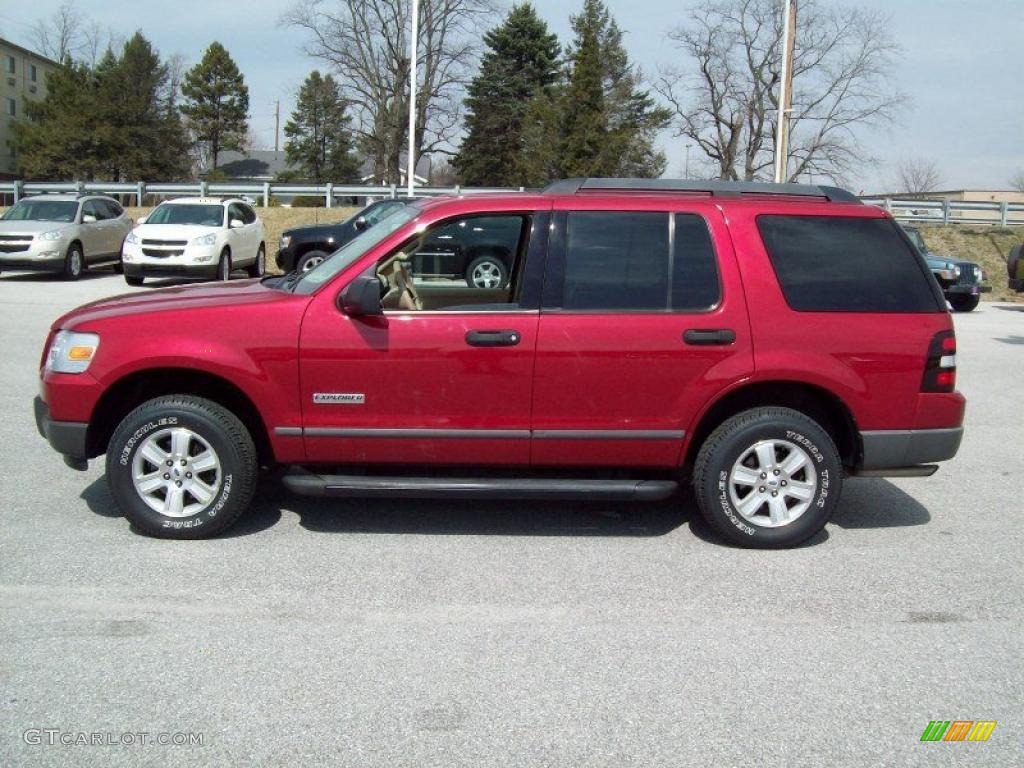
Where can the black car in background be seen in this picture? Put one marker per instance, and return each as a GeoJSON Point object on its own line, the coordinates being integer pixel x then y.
{"type": "Point", "coordinates": [302, 248]}
{"type": "Point", "coordinates": [960, 280]}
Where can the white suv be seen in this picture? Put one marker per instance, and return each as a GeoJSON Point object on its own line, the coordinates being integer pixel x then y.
{"type": "Point", "coordinates": [195, 237]}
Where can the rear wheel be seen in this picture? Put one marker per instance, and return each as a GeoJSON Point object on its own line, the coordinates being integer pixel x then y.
{"type": "Point", "coordinates": [224, 265]}
{"type": "Point", "coordinates": [962, 303]}
{"type": "Point", "coordinates": [260, 265]}
{"type": "Point", "coordinates": [181, 467]}
{"type": "Point", "coordinates": [768, 478]}
{"type": "Point", "coordinates": [309, 260]}
{"type": "Point", "coordinates": [74, 262]}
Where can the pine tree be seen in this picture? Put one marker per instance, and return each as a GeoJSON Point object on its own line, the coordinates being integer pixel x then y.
{"type": "Point", "coordinates": [216, 102]}
{"type": "Point", "coordinates": [319, 142]}
{"type": "Point", "coordinates": [609, 123]}
{"type": "Point", "coordinates": [521, 60]}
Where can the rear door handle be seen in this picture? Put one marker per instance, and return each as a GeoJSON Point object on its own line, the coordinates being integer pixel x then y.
{"type": "Point", "coordinates": [493, 338]}
{"type": "Point", "coordinates": [705, 337]}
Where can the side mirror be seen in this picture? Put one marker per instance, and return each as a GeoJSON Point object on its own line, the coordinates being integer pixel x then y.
{"type": "Point", "coordinates": [236, 223]}
{"type": "Point", "coordinates": [361, 224]}
{"type": "Point", "coordinates": [142, 220]}
{"type": "Point", "coordinates": [88, 218]}
{"type": "Point", "coordinates": [361, 297]}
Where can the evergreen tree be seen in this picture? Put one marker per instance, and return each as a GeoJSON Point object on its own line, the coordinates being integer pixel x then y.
{"type": "Point", "coordinates": [216, 102]}
{"type": "Point", "coordinates": [112, 123]}
{"type": "Point", "coordinates": [520, 63]}
{"type": "Point", "coordinates": [319, 142]}
{"type": "Point", "coordinates": [608, 122]}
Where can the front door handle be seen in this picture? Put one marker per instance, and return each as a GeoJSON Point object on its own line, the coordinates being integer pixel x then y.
{"type": "Point", "coordinates": [707, 336]}
{"type": "Point", "coordinates": [493, 338]}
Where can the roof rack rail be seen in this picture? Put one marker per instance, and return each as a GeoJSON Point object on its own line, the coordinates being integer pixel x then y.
{"type": "Point", "coordinates": [714, 188]}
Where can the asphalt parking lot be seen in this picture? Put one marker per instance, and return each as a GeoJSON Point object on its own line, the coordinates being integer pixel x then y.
{"type": "Point", "coordinates": [430, 633]}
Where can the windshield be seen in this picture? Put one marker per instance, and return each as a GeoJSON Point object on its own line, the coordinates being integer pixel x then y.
{"type": "Point", "coordinates": [43, 210]}
{"type": "Point", "coordinates": [353, 250]}
{"type": "Point", "coordinates": [195, 215]}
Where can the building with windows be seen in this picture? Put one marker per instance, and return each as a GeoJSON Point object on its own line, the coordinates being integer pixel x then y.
{"type": "Point", "coordinates": [22, 79]}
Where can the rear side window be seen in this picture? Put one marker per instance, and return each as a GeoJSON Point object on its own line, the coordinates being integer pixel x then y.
{"type": "Point", "coordinates": [637, 261]}
{"type": "Point", "coordinates": [840, 264]}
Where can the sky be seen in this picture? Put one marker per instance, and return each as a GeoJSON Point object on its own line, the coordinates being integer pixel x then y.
{"type": "Point", "coordinates": [961, 69]}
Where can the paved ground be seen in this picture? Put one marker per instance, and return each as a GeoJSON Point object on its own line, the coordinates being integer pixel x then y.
{"type": "Point", "coordinates": [422, 634]}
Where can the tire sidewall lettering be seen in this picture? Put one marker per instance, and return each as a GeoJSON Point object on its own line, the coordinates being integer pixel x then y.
{"type": "Point", "coordinates": [141, 432]}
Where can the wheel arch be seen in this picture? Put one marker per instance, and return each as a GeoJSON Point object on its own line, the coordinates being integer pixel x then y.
{"type": "Point", "coordinates": [816, 402]}
{"type": "Point", "coordinates": [137, 387]}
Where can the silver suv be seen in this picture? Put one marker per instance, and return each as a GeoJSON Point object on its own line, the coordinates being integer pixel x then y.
{"type": "Point", "coordinates": [62, 233]}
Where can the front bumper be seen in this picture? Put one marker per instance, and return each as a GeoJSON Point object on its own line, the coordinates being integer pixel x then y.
{"type": "Point", "coordinates": [66, 437]}
{"type": "Point", "coordinates": [40, 256]}
{"type": "Point", "coordinates": [901, 448]}
{"type": "Point", "coordinates": [194, 260]}
{"type": "Point", "coordinates": [967, 289]}
{"type": "Point", "coordinates": [285, 259]}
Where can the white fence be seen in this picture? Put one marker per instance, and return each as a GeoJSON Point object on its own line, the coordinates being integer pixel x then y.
{"type": "Point", "coordinates": [924, 211]}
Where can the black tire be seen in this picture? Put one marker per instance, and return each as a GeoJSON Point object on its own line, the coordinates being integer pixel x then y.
{"type": "Point", "coordinates": [224, 434]}
{"type": "Point", "coordinates": [224, 266]}
{"type": "Point", "coordinates": [74, 262]}
{"type": "Point", "coordinates": [309, 259]}
{"type": "Point", "coordinates": [119, 268]}
{"type": "Point", "coordinates": [736, 437]}
{"type": "Point", "coordinates": [963, 303]}
{"type": "Point", "coordinates": [260, 265]}
{"type": "Point", "coordinates": [495, 266]}
{"type": "Point", "coordinates": [1016, 255]}
{"type": "Point", "coordinates": [133, 280]}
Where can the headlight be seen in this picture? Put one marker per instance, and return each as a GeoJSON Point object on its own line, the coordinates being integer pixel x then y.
{"type": "Point", "coordinates": [132, 238]}
{"type": "Point", "coordinates": [209, 239]}
{"type": "Point", "coordinates": [286, 240]}
{"type": "Point", "coordinates": [72, 352]}
{"type": "Point", "coordinates": [956, 271]}
{"type": "Point", "coordinates": [54, 234]}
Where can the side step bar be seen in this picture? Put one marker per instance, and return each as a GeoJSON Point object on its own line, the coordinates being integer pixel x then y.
{"type": "Point", "coordinates": [918, 470]}
{"type": "Point", "coordinates": [353, 486]}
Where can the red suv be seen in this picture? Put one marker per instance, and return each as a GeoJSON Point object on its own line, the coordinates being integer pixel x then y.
{"type": "Point", "coordinates": [762, 342]}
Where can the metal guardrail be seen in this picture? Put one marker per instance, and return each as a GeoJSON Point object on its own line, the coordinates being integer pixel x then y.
{"type": "Point", "coordinates": [951, 211]}
{"type": "Point", "coordinates": [264, 192]}
{"type": "Point", "coordinates": [925, 211]}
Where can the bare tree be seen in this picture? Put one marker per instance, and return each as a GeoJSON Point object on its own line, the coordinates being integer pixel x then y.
{"type": "Point", "coordinates": [917, 175]}
{"type": "Point", "coordinates": [725, 99]}
{"type": "Point", "coordinates": [61, 35]}
{"type": "Point", "coordinates": [1017, 180]}
{"type": "Point", "coordinates": [366, 42]}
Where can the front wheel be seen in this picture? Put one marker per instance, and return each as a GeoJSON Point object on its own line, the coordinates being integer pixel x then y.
{"type": "Point", "coordinates": [74, 262]}
{"type": "Point", "coordinates": [260, 265]}
{"type": "Point", "coordinates": [768, 478]}
{"type": "Point", "coordinates": [133, 280]}
{"type": "Point", "coordinates": [310, 260]}
{"type": "Point", "coordinates": [963, 303]}
{"type": "Point", "coordinates": [224, 266]}
{"type": "Point", "coordinates": [181, 467]}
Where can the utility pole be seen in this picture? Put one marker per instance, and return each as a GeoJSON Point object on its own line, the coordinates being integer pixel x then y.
{"type": "Point", "coordinates": [412, 95]}
{"type": "Point", "coordinates": [785, 90]}
{"type": "Point", "coordinates": [277, 122]}
{"type": "Point", "coordinates": [686, 167]}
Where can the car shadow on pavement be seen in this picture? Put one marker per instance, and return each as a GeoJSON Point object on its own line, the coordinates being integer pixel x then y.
{"type": "Point", "coordinates": [53, 277]}
{"type": "Point", "coordinates": [877, 503]}
{"type": "Point", "coordinates": [1011, 307]}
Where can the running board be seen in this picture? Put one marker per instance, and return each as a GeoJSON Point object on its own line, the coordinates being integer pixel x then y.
{"type": "Point", "coordinates": [350, 486]}
{"type": "Point", "coordinates": [918, 470]}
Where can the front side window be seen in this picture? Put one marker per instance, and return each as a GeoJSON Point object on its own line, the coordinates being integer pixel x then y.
{"type": "Point", "coordinates": [248, 214]}
{"type": "Point", "coordinates": [112, 208]}
{"type": "Point", "coordinates": [92, 208]}
{"type": "Point", "coordinates": [638, 261]}
{"type": "Point", "coordinates": [470, 263]}
{"type": "Point", "coordinates": [189, 215]}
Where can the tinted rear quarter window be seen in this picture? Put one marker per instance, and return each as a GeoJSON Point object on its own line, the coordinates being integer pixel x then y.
{"type": "Point", "coordinates": [846, 264]}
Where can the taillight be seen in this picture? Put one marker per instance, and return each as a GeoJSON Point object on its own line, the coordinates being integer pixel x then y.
{"type": "Point", "coordinates": [940, 367]}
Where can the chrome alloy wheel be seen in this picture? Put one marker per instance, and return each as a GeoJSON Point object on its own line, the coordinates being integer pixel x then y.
{"type": "Point", "coordinates": [772, 483]}
{"type": "Point", "coordinates": [176, 472]}
{"type": "Point", "coordinates": [309, 264]}
{"type": "Point", "coordinates": [486, 274]}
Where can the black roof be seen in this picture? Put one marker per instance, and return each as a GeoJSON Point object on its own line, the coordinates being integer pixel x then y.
{"type": "Point", "coordinates": [716, 188]}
